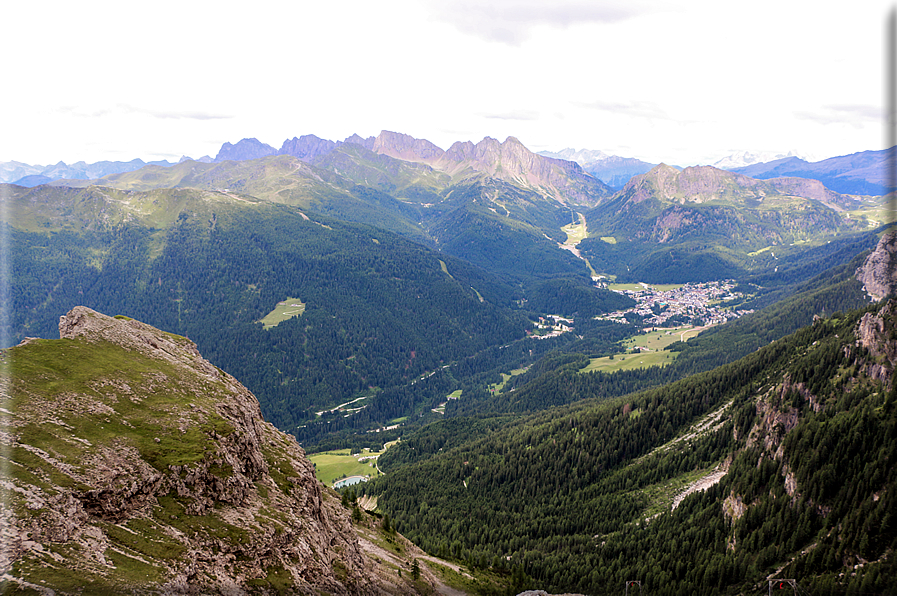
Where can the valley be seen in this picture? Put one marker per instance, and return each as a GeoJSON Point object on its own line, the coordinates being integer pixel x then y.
{"type": "Point", "coordinates": [547, 382]}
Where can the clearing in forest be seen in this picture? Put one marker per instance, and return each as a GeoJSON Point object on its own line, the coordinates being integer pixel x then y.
{"type": "Point", "coordinates": [331, 466]}
{"type": "Point", "coordinates": [651, 350]}
{"type": "Point", "coordinates": [286, 309]}
{"type": "Point", "coordinates": [576, 232]}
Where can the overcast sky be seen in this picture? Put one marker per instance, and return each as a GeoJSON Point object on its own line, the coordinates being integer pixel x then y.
{"type": "Point", "coordinates": [683, 81]}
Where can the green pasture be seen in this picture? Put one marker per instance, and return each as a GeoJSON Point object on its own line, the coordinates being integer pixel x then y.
{"type": "Point", "coordinates": [505, 377]}
{"type": "Point", "coordinates": [660, 339]}
{"type": "Point", "coordinates": [576, 232]}
{"type": "Point", "coordinates": [654, 343]}
{"type": "Point", "coordinates": [640, 288]}
{"type": "Point", "coordinates": [444, 268]}
{"type": "Point", "coordinates": [287, 309]}
{"type": "Point", "coordinates": [333, 465]}
{"type": "Point", "coordinates": [880, 213]}
{"type": "Point", "coordinates": [623, 287]}
{"type": "Point", "coordinates": [330, 466]}
{"type": "Point", "coordinates": [630, 361]}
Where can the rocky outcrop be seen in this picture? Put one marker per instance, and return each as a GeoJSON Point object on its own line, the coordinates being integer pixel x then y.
{"type": "Point", "coordinates": [243, 150]}
{"type": "Point", "coordinates": [875, 332]}
{"type": "Point", "coordinates": [307, 147]}
{"type": "Point", "coordinates": [406, 147]}
{"type": "Point", "coordinates": [878, 273]}
{"type": "Point", "coordinates": [560, 180]}
{"type": "Point", "coordinates": [130, 449]}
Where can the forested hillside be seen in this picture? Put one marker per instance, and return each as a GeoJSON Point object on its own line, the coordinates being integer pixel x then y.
{"type": "Point", "coordinates": [414, 274]}
{"type": "Point", "coordinates": [379, 311]}
{"type": "Point", "coordinates": [559, 381]}
{"type": "Point", "coordinates": [802, 435]}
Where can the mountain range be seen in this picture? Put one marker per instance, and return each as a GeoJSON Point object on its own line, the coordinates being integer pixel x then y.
{"type": "Point", "coordinates": [26, 175]}
{"type": "Point", "coordinates": [862, 173]}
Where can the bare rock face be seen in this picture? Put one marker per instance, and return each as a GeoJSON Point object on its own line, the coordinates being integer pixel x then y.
{"type": "Point", "coordinates": [876, 332]}
{"type": "Point", "coordinates": [406, 147]}
{"type": "Point", "coordinates": [243, 150]}
{"type": "Point", "coordinates": [306, 147]}
{"type": "Point", "coordinates": [138, 467]}
{"type": "Point", "coordinates": [878, 274]}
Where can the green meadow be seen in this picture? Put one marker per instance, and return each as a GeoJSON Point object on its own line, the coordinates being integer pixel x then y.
{"type": "Point", "coordinates": [505, 377]}
{"type": "Point", "coordinates": [287, 309]}
{"type": "Point", "coordinates": [331, 466]}
{"type": "Point", "coordinates": [576, 232]}
{"type": "Point", "coordinates": [652, 352]}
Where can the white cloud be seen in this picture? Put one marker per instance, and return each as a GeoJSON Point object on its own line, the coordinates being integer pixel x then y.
{"type": "Point", "coordinates": [676, 81]}
{"type": "Point", "coordinates": [512, 21]}
{"type": "Point", "coordinates": [855, 115]}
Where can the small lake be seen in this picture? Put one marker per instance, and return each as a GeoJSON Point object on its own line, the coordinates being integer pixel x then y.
{"type": "Point", "coordinates": [349, 481]}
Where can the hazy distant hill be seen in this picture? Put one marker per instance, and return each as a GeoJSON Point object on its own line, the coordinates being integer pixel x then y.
{"type": "Point", "coordinates": [25, 175]}
{"type": "Point", "coordinates": [741, 159]}
{"type": "Point", "coordinates": [243, 150]}
{"type": "Point", "coordinates": [613, 170]}
{"type": "Point", "coordinates": [863, 173]}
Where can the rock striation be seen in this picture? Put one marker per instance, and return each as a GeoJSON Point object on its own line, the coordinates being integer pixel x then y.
{"type": "Point", "coordinates": [132, 465]}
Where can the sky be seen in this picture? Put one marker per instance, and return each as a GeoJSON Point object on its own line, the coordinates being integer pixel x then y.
{"type": "Point", "coordinates": [683, 82]}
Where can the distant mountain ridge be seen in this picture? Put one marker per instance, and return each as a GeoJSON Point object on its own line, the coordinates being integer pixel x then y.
{"type": "Point", "coordinates": [741, 159]}
{"type": "Point", "coordinates": [698, 184]}
{"type": "Point", "coordinates": [27, 175]}
{"type": "Point", "coordinates": [863, 173]}
{"type": "Point", "coordinates": [613, 170]}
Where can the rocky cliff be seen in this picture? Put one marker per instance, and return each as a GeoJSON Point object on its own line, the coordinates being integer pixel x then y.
{"type": "Point", "coordinates": [307, 147]}
{"type": "Point", "coordinates": [878, 273]}
{"type": "Point", "coordinates": [131, 465]}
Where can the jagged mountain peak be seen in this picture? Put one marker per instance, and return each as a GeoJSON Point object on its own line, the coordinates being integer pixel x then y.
{"type": "Point", "coordinates": [367, 143]}
{"type": "Point", "coordinates": [306, 147]}
{"type": "Point", "coordinates": [244, 149]}
{"type": "Point", "coordinates": [406, 147]}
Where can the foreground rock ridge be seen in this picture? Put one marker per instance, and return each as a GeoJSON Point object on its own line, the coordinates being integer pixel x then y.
{"type": "Point", "coordinates": [131, 465]}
